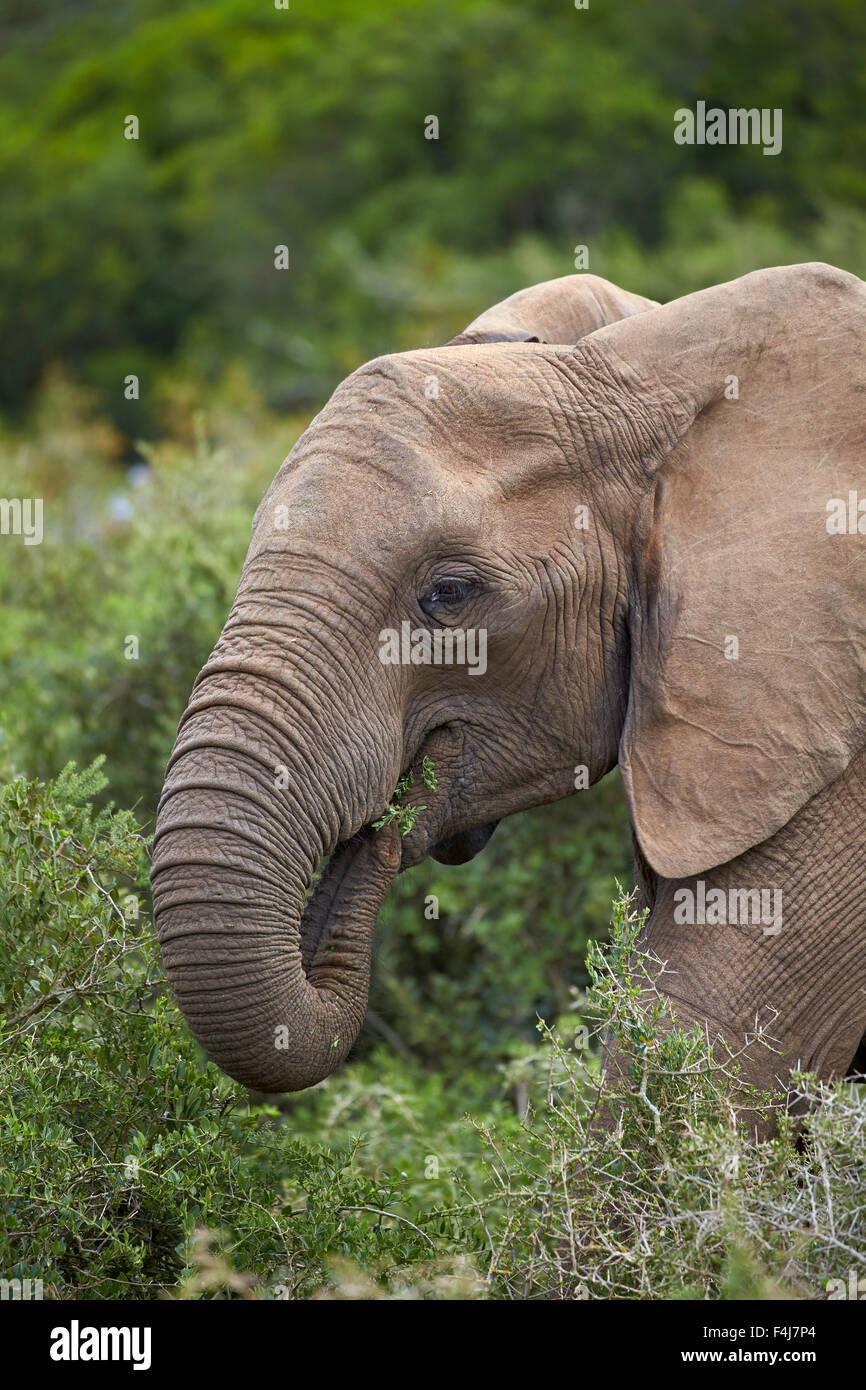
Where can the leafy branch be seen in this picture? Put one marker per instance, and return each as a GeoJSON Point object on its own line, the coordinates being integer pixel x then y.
{"type": "Point", "coordinates": [405, 815]}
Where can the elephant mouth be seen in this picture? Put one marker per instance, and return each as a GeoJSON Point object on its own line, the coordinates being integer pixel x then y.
{"type": "Point", "coordinates": [355, 870]}
{"type": "Point", "coordinates": [460, 848]}
{"type": "Point", "coordinates": [440, 830]}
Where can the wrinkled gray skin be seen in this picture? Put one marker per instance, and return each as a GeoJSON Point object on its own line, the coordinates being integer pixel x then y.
{"type": "Point", "coordinates": [706, 519]}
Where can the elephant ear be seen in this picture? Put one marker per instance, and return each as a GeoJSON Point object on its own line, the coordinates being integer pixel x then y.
{"type": "Point", "coordinates": [748, 621]}
{"type": "Point", "coordinates": [557, 311]}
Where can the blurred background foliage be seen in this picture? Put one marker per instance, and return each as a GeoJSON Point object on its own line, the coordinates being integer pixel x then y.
{"type": "Point", "coordinates": [305, 127]}
{"type": "Point", "coordinates": [155, 257]}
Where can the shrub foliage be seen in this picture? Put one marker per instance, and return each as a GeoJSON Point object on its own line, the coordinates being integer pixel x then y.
{"type": "Point", "coordinates": [131, 1167]}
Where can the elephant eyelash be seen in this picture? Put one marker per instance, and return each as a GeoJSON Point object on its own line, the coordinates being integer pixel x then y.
{"type": "Point", "coordinates": [450, 592]}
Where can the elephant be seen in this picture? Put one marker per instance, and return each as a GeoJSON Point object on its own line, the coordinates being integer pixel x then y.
{"type": "Point", "coordinates": [651, 514]}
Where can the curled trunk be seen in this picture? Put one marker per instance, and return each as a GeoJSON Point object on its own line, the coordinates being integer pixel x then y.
{"type": "Point", "coordinates": [273, 987]}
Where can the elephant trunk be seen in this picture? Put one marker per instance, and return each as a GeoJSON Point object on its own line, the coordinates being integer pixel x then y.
{"type": "Point", "coordinates": [273, 986]}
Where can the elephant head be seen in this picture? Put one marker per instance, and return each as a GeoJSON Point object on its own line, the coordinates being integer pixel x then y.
{"type": "Point", "coordinates": [516, 556]}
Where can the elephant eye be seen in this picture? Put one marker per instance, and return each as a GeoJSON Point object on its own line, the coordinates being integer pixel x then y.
{"type": "Point", "coordinates": [446, 595]}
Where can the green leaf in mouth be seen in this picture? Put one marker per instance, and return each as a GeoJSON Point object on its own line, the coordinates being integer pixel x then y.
{"type": "Point", "coordinates": [405, 815]}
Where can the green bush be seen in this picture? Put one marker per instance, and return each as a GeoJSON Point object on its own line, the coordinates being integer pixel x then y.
{"type": "Point", "coordinates": [109, 620]}
{"type": "Point", "coordinates": [130, 1167]}
{"type": "Point", "coordinates": [672, 1197]}
{"type": "Point", "coordinates": [120, 1147]}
